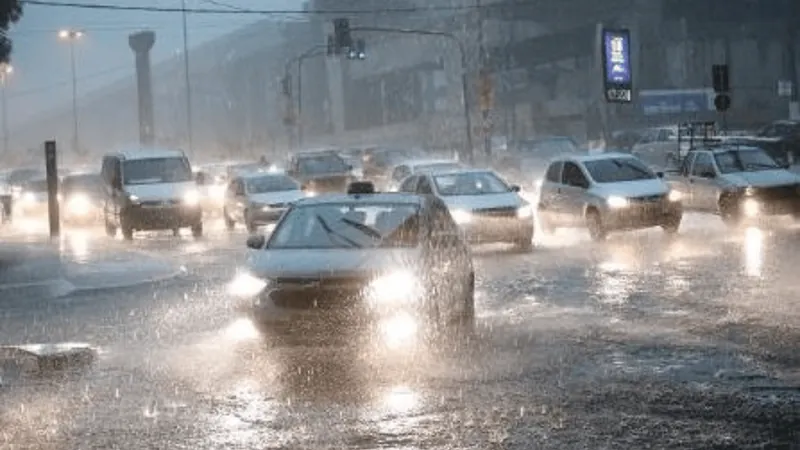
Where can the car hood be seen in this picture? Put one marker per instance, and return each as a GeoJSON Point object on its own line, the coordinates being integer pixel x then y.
{"type": "Point", "coordinates": [762, 178]}
{"type": "Point", "coordinates": [473, 202]}
{"type": "Point", "coordinates": [639, 188]}
{"type": "Point", "coordinates": [277, 197]}
{"type": "Point", "coordinates": [269, 264]}
{"type": "Point", "coordinates": [160, 191]}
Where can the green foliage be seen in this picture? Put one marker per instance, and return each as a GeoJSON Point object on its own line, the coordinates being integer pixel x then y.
{"type": "Point", "coordinates": [10, 13]}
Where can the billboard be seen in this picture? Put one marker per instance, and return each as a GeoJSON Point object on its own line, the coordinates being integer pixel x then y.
{"type": "Point", "coordinates": [617, 74]}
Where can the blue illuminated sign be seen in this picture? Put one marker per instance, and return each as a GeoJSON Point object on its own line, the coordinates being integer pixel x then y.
{"type": "Point", "coordinates": [617, 76]}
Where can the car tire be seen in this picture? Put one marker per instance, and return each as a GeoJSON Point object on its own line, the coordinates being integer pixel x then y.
{"type": "Point", "coordinates": [176, 232]}
{"type": "Point", "coordinates": [197, 230]}
{"type": "Point", "coordinates": [111, 230]}
{"type": "Point", "coordinates": [594, 223]}
{"type": "Point", "coordinates": [730, 212]}
{"type": "Point", "coordinates": [127, 232]}
{"type": "Point", "coordinates": [251, 227]}
{"type": "Point", "coordinates": [524, 243]}
{"type": "Point", "coordinates": [230, 224]}
{"type": "Point", "coordinates": [466, 318]}
{"type": "Point", "coordinates": [672, 225]}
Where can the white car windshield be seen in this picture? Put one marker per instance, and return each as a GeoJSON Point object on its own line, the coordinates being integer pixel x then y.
{"type": "Point", "coordinates": [156, 170]}
{"type": "Point", "coordinates": [271, 183]}
{"type": "Point", "coordinates": [354, 226]}
{"type": "Point", "coordinates": [617, 170]}
{"type": "Point", "coordinates": [437, 167]}
{"type": "Point", "coordinates": [470, 183]}
{"type": "Point", "coordinates": [744, 160]}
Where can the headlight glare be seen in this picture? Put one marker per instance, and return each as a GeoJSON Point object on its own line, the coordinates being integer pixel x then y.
{"type": "Point", "coordinates": [461, 216]}
{"type": "Point", "coordinates": [675, 196]}
{"type": "Point", "coordinates": [394, 287]}
{"type": "Point", "coordinates": [246, 285]}
{"type": "Point", "coordinates": [617, 202]}
{"type": "Point", "coordinates": [525, 212]}
{"type": "Point", "coordinates": [78, 204]}
{"type": "Point", "coordinates": [191, 198]}
{"type": "Point", "coordinates": [750, 207]}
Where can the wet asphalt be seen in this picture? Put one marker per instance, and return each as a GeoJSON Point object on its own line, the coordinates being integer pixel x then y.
{"type": "Point", "coordinates": [639, 342]}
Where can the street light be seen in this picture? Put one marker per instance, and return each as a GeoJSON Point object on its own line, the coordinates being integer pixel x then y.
{"type": "Point", "coordinates": [5, 70]}
{"type": "Point", "coordinates": [72, 36]}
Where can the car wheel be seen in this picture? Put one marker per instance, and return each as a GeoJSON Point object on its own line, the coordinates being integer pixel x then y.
{"type": "Point", "coordinates": [176, 232]}
{"type": "Point", "coordinates": [594, 223]}
{"type": "Point", "coordinates": [672, 225]}
{"type": "Point", "coordinates": [230, 224]}
{"type": "Point", "coordinates": [127, 233]}
{"type": "Point", "coordinates": [524, 243]}
{"type": "Point", "coordinates": [111, 230]}
{"type": "Point", "coordinates": [251, 227]}
{"type": "Point", "coordinates": [197, 230]}
{"type": "Point", "coordinates": [466, 318]}
{"type": "Point", "coordinates": [730, 213]}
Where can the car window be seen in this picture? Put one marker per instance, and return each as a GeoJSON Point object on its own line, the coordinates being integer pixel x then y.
{"type": "Point", "coordinates": [553, 173]}
{"type": "Point", "coordinates": [572, 175]}
{"type": "Point", "coordinates": [470, 183]}
{"type": "Point", "coordinates": [361, 225]}
{"type": "Point", "coordinates": [744, 160]}
{"type": "Point", "coordinates": [424, 187]}
{"type": "Point", "coordinates": [702, 164]}
{"type": "Point", "coordinates": [86, 183]}
{"type": "Point", "coordinates": [409, 184]}
{"type": "Point", "coordinates": [322, 163]}
{"type": "Point", "coordinates": [400, 172]}
{"type": "Point", "coordinates": [271, 183]}
{"type": "Point", "coordinates": [615, 170]}
{"type": "Point", "coordinates": [156, 170]}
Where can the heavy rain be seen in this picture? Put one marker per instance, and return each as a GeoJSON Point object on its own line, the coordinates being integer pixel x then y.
{"type": "Point", "coordinates": [399, 224]}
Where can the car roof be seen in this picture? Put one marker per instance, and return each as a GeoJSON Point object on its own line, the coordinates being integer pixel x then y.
{"type": "Point", "coordinates": [461, 170]}
{"type": "Point", "coordinates": [426, 162]}
{"type": "Point", "coordinates": [261, 173]}
{"type": "Point", "coordinates": [317, 151]}
{"type": "Point", "coordinates": [728, 147]}
{"type": "Point", "coordinates": [131, 154]}
{"type": "Point", "coordinates": [381, 197]}
{"type": "Point", "coordinates": [585, 157]}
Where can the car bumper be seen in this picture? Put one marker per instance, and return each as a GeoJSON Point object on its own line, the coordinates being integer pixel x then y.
{"type": "Point", "coordinates": [162, 218]}
{"type": "Point", "coordinates": [489, 230]}
{"type": "Point", "coordinates": [754, 208]}
{"type": "Point", "coordinates": [635, 217]}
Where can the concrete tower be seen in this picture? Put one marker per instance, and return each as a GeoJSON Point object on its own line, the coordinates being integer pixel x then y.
{"type": "Point", "coordinates": [141, 43]}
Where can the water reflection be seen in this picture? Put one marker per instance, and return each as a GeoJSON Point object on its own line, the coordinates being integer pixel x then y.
{"type": "Point", "coordinates": [400, 400]}
{"type": "Point", "coordinates": [753, 251]}
{"type": "Point", "coordinates": [76, 243]}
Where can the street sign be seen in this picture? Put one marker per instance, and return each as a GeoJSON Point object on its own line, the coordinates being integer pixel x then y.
{"type": "Point", "coordinates": [722, 102]}
{"type": "Point", "coordinates": [784, 88]}
{"type": "Point", "coordinates": [617, 76]}
{"type": "Point", "coordinates": [720, 78]}
{"type": "Point", "coordinates": [675, 101]}
{"type": "Point", "coordinates": [51, 170]}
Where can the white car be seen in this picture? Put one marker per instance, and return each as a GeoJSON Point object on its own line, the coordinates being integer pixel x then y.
{"type": "Point", "coordinates": [485, 207]}
{"type": "Point", "coordinates": [391, 258]}
{"type": "Point", "coordinates": [415, 166]}
{"type": "Point", "coordinates": [606, 192]}
{"type": "Point", "coordinates": [259, 198]}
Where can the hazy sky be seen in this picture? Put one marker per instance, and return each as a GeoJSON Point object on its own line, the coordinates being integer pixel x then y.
{"type": "Point", "coordinates": [41, 62]}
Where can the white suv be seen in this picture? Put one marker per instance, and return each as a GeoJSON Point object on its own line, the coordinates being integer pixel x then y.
{"type": "Point", "coordinates": [606, 192]}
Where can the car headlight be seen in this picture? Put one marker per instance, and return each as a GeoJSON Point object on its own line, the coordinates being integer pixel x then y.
{"type": "Point", "coordinates": [617, 202]}
{"type": "Point", "coordinates": [750, 207]}
{"type": "Point", "coordinates": [217, 192]}
{"type": "Point", "coordinates": [675, 196]}
{"type": "Point", "coordinates": [28, 197]}
{"type": "Point", "coordinates": [133, 199]}
{"type": "Point", "coordinates": [246, 285]}
{"type": "Point", "coordinates": [191, 198]}
{"type": "Point", "coordinates": [311, 194]}
{"type": "Point", "coordinates": [394, 287]}
{"type": "Point", "coordinates": [264, 208]}
{"type": "Point", "coordinates": [79, 204]}
{"type": "Point", "coordinates": [461, 216]}
{"type": "Point", "coordinates": [525, 212]}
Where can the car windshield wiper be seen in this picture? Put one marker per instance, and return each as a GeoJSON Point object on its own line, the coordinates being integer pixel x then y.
{"type": "Point", "coordinates": [369, 231]}
{"type": "Point", "coordinates": [329, 231]}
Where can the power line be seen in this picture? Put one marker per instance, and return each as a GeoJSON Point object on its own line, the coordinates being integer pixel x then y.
{"type": "Point", "coordinates": [227, 10]}
{"type": "Point", "coordinates": [224, 5]}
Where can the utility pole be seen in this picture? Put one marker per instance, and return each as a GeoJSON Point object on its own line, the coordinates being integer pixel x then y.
{"type": "Point", "coordinates": [5, 71]}
{"type": "Point", "coordinates": [72, 36]}
{"type": "Point", "coordinates": [485, 81]}
{"type": "Point", "coordinates": [188, 86]}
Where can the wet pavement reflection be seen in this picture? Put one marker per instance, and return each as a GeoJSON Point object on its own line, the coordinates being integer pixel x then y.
{"type": "Point", "coordinates": [640, 341]}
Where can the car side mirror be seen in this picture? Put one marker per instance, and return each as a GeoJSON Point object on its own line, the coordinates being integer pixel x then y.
{"type": "Point", "coordinates": [708, 174]}
{"type": "Point", "coordinates": [256, 242]}
{"type": "Point", "coordinates": [515, 188]}
{"type": "Point", "coordinates": [660, 174]}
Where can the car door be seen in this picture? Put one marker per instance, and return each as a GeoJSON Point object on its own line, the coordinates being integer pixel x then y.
{"type": "Point", "coordinates": [574, 185]}
{"type": "Point", "coordinates": [550, 192]}
{"type": "Point", "coordinates": [703, 182]}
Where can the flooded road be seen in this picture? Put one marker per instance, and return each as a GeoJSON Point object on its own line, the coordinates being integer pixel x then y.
{"type": "Point", "coordinates": [640, 342]}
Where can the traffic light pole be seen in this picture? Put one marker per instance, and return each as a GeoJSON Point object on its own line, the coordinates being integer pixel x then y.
{"type": "Point", "coordinates": [313, 51]}
{"type": "Point", "coordinates": [464, 74]}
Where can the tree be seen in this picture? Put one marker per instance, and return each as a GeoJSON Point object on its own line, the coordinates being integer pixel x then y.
{"type": "Point", "coordinates": [10, 13]}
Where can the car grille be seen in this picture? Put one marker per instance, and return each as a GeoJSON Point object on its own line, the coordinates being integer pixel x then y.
{"type": "Point", "coordinates": [159, 203]}
{"type": "Point", "coordinates": [321, 293]}
{"type": "Point", "coordinates": [506, 211]}
{"type": "Point", "coordinates": [777, 193]}
{"type": "Point", "coordinates": [648, 200]}
{"type": "Point", "coordinates": [278, 205]}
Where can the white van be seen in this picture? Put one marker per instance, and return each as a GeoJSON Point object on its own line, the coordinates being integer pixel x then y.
{"type": "Point", "coordinates": [150, 189]}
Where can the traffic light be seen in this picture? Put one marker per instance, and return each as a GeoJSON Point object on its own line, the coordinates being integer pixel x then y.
{"type": "Point", "coordinates": [359, 51]}
{"type": "Point", "coordinates": [342, 40]}
{"type": "Point", "coordinates": [720, 78]}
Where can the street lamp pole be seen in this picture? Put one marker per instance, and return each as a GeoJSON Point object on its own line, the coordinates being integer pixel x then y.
{"type": "Point", "coordinates": [71, 36]}
{"type": "Point", "coordinates": [298, 100]}
{"type": "Point", "coordinates": [5, 71]}
{"type": "Point", "coordinates": [187, 82]}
